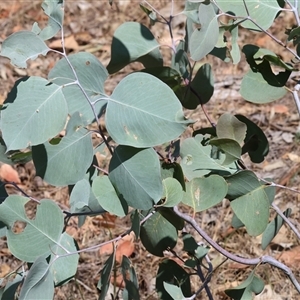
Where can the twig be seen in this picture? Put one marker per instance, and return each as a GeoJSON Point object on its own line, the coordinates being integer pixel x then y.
{"type": "Point", "coordinates": [24, 193]}
{"type": "Point", "coordinates": [294, 9]}
{"type": "Point", "coordinates": [286, 220]}
{"type": "Point", "coordinates": [246, 261]}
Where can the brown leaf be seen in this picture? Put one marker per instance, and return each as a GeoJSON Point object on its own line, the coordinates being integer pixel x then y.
{"type": "Point", "coordinates": [280, 109]}
{"type": "Point", "coordinates": [8, 173]}
{"type": "Point", "coordinates": [124, 246]}
{"type": "Point", "coordinates": [70, 43]}
{"type": "Point", "coordinates": [4, 269]}
{"type": "Point", "coordinates": [291, 257]}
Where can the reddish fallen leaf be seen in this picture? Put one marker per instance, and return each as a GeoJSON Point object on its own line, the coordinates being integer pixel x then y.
{"type": "Point", "coordinates": [106, 249]}
{"type": "Point", "coordinates": [4, 269]}
{"type": "Point", "coordinates": [125, 246]}
{"type": "Point", "coordinates": [70, 43]}
{"type": "Point", "coordinates": [280, 109]}
{"type": "Point", "coordinates": [291, 257]}
{"type": "Point", "coordinates": [237, 266]}
{"type": "Point", "coordinates": [8, 173]}
{"type": "Point", "coordinates": [117, 280]}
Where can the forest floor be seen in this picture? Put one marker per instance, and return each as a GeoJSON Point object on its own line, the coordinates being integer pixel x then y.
{"type": "Point", "coordinates": [89, 26]}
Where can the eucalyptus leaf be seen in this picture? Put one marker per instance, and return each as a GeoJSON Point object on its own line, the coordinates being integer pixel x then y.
{"type": "Point", "coordinates": [200, 89]}
{"type": "Point", "coordinates": [273, 228]}
{"type": "Point", "coordinates": [203, 193]}
{"type": "Point", "coordinates": [133, 41]}
{"type": "Point", "coordinates": [263, 12]}
{"type": "Point", "coordinates": [79, 198]}
{"type": "Point", "coordinates": [107, 196]}
{"type": "Point", "coordinates": [244, 291]}
{"type": "Point", "coordinates": [231, 149]}
{"type": "Point", "coordinates": [43, 231]}
{"type": "Point", "coordinates": [158, 234]}
{"type": "Point", "coordinates": [54, 10]}
{"type": "Point", "coordinates": [174, 291]}
{"type": "Point", "coordinates": [104, 281]}
{"type": "Point", "coordinates": [197, 159]}
{"type": "Point", "coordinates": [11, 287]}
{"type": "Point", "coordinates": [23, 45]}
{"type": "Point", "coordinates": [138, 183]}
{"type": "Point", "coordinates": [91, 75]}
{"type": "Point", "coordinates": [67, 162]}
{"type": "Point", "coordinates": [230, 127]}
{"type": "Point", "coordinates": [42, 113]}
{"type": "Point", "coordinates": [204, 40]}
{"type": "Point", "coordinates": [170, 272]}
{"type": "Point", "coordinates": [172, 192]}
{"type": "Point", "coordinates": [253, 210]}
{"type": "Point", "coordinates": [38, 283]}
{"type": "Point", "coordinates": [143, 112]}
{"type": "Point", "coordinates": [255, 143]}
{"type": "Point", "coordinates": [65, 267]}
{"type": "Point", "coordinates": [130, 278]}
{"type": "Point", "coordinates": [256, 89]}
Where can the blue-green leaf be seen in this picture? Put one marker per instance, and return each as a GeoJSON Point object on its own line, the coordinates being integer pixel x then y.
{"type": "Point", "coordinates": [253, 210]}
{"type": "Point", "coordinates": [67, 162]}
{"type": "Point", "coordinates": [107, 196]}
{"type": "Point", "coordinates": [133, 41]}
{"type": "Point", "coordinates": [255, 89]}
{"type": "Point", "coordinates": [41, 113]}
{"type": "Point", "coordinates": [64, 268]}
{"type": "Point", "coordinates": [263, 12]}
{"type": "Point", "coordinates": [40, 233]}
{"type": "Point", "coordinates": [38, 283]}
{"type": "Point", "coordinates": [138, 182]}
{"type": "Point", "coordinates": [23, 45]}
{"type": "Point", "coordinates": [244, 291]}
{"type": "Point", "coordinates": [143, 112]}
{"type": "Point", "coordinates": [204, 40]}
{"type": "Point", "coordinates": [157, 234]}
{"type": "Point", "coordinates": [203, 193]}
{"type": "Point", "coordinates": [197, 159]}
{"type": "Point", "coordinates": [55, 11]}
{"type": "Point", "coordinates": [91, 75]}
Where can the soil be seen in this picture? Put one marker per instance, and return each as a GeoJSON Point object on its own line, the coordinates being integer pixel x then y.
{"type": "Point", "coordinates": [89, 26]}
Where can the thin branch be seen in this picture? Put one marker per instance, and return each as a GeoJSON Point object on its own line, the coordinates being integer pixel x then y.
{"type": "Point", "coordinates": [294, 9]}
{"type": "Point", "coordinates": [213, 124]}
{"type": "Point", "coordinates": [246, 261]}
{"type": "Point", "coordinates": [296, 98]}
{"type": "Point", "coordinates": [24, 193]}
{"type": "Point", "coordinates": [286, 220]}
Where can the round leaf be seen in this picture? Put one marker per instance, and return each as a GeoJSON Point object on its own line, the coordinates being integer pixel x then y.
{"type": "Point", "coordinates": [263, 12]}
{"type": "Point", "coordinates": [67, 162]}
{"type": "Point", "coordinates": [135, 173]}
{"type": "Point", "coordinates": [231, 128]}
{"type": "Point", "coordinates": [91, 76]}
{"type": "Point", "coordinates": [144, 112]}
{"type": "Point", "coordinates": [41, 111]}
{"type": "Point", "coordinates": [172, 192]}
{"type": "Point", "coordinates": [133, 41]}
{"type": "Point", "coordinates": [253, 210]}
{"type": "Point", "coordinates": [255, 89]}
{"type": "Point", "coordinates": [40, 233]}
{"type": "Point", "coordinates": [157, 234]}
{"type": "Point", "coordinates": [204, 40]}
{"type": "Point", "coordinates": [64, 268]}
{"type": "Point", "coordinates": [203, 193]}
{"type": "Point", "coordinates": [21, 46]}
{"type": "Point", "coordinates": [107, 196]}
